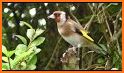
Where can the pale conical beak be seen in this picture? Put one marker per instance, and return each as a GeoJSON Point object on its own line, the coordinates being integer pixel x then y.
{"type": "Point", "coordinates": [51, 16]}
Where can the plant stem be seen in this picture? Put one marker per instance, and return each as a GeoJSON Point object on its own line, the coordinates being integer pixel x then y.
{"type": "Point", "coordinates": [80, 56]}
{"type": "Point", "coordinates": [9, 63]}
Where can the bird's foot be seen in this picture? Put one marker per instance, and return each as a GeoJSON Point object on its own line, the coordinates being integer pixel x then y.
{"type": "Point", "coordinates": [68, 55]}
{"type": "Point", "coordinates": [74, 49]}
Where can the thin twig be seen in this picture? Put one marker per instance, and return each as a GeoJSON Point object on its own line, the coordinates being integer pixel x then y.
{"type": "Point", "coordinates": [91, 8]}
{"type": "Point", "coordinates": [53, 53]}
{"type": "Point", "coordinates": [107, 24]}
{"type": "Point", "coordinates": [87, 26]}
{"type": "Point", "coordinates": [102, 67]}
{"type": "Point", "coordinates": [90, 60]}
{"type": "Point", "coordinates": [108, 64]}
{"type": "Point", "coordinates": [104, 9]}
{"type": "Point", "coordinates": [74, 17]}
{"type": "Point", "coordinates": [116, 21]}
{"type": "Point", "coordinates": [100, 39]}
{"type": "Point", "coordinates": [93, 66]}
{"type": "Point", "coordinates": [118, 46]}
{"type": "Point", "coordinates": [119, 33]}
{"type": "Point", "coordinates": [100, 5]}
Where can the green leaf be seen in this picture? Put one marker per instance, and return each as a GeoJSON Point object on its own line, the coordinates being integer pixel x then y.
{"type": "Point", "coordinates": [5, 66]}
{"type": "Point", "coordinates": [21, 48]}
{"type": "Point", "coordinates": [37, 50]}
{"type": "Point", "coordinates": [4, 50]}
{"type": "Point", "coordinates": [23, 65]}
{"type": "Point", "coordinates": [33, 60]}
{"type": "Point", "coordinates": [22, 57]}
{"type": "Point", "coordinates": [38, 32]}
{"type": "Point", "coordinates": [31, 67]}
{"type": "Point", "coordinates": [7, 53]}
{"type": "Point", "coordinates": [10, 53]}
{"type": "Point", "coordinates": [5, 59]}
{"type": "Point", "coordinates": [37, 42]}
{"type": "Point", "coordinates": [30, 34]}
{"type": "Point", "coordinates": [22, 39]}
{"type": "Point", "coordinates": [22, 22]}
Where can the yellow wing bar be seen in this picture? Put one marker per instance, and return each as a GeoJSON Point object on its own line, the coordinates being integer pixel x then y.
{"type": "Point", "coordinates": [86, 36]}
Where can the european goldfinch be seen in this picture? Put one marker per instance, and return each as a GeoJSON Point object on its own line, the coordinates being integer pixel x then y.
{"type": "Point", "coordinates": [69, 30]}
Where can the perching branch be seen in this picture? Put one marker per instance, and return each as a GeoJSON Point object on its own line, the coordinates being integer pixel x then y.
{"type": "Point", "coordinates": [69, 60]}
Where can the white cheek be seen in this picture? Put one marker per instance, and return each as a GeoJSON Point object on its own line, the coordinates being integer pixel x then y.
{"type": "Point", "coordinates": [62, 18]}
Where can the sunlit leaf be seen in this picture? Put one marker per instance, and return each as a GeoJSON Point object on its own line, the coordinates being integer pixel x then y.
{"type": "Point", "coordinates": [21, 57]}
{"type": "Point", "coordinates": [37, 50]}
{"type": "Point", "coordinates": [38, 32]}
{"type": "Point", "coordinates": [30, 34]}
{"type": "Point", "coordinates": [10, 53]}
{"type": "Point", "coordinates": [21, 48]}
{"type": "Point", "coordinates": [22, 39]}
{"type": "Point", "coordinates": [37, 42]}
{"type": "Point", "coordinates": [23, 65]}
{"type": "Point", "coordinates": [5, 59]}
{"type": "Point", "coordinates": [5, 66]}
{"type": "Point", "coordinates": [4, 50]}
{"type": "Point", "coordinates": [22, 22]}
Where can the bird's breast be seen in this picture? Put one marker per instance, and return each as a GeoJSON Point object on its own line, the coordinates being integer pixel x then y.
{"type": "Point", "coordinates": [75, 39]}
{"type": "Point", "coordinates": [66, 30]}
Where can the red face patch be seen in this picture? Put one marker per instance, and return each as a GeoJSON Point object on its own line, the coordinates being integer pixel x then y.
{"type": "Point", "coordinates": [57, 17]}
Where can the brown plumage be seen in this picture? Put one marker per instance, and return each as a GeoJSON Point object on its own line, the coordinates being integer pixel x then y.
{"type": "Point", "coordinates": [68, 30]}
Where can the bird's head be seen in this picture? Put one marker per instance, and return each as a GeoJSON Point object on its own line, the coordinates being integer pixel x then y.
{"type": "Point", "coordinates": [59, 16]}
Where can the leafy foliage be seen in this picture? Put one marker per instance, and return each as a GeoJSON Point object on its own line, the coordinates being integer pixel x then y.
{"type": "Point", "coordinates": [24, 55]}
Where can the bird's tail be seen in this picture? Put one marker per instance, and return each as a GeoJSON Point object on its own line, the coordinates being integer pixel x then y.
{"type": "Point", "coordinates": [98, 49]}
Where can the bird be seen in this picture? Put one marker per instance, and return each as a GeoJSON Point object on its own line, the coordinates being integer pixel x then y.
{"type": "Point", "coordinates": [73, 32]}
